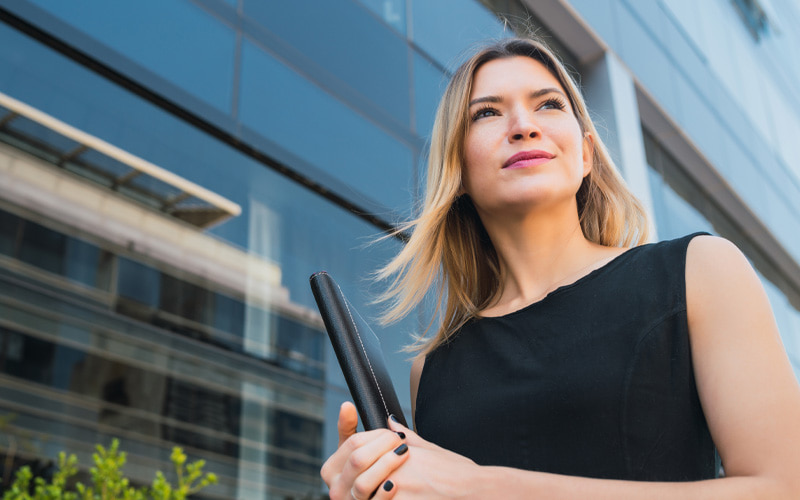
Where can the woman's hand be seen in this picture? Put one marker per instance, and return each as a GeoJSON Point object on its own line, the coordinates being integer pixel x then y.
{"type": "Point", "coordinates": [364, 460]}
{"type": "Point", "coordinates": [433, 472]}
{"type": "Point", "coordinates": [395, 463]}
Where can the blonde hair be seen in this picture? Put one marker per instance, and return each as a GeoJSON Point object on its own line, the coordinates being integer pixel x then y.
{"type": "Point", "coordinates": [449, 246]}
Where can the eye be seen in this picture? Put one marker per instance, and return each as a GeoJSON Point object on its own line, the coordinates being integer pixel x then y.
{"type": "Point", "coordinates": [553, 103]}
{"type": "Point", "coordinates": [484, 112]}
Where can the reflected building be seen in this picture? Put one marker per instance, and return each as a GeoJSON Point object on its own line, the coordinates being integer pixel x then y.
{"type": "Point", "coordinates": [171, 173]}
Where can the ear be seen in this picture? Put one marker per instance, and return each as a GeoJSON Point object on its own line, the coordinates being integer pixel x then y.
{"type": "Point", "coordinates": [588, 153]}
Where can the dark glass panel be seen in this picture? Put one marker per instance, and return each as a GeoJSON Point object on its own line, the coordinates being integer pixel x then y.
{"type": "Point", "coordinates": [177, 40]}
{"type": "Point", "coordinates": [87, 264]}
{"type": "Point", "coordinates": [185, 299]}
{"type": "Point", "coordinates": [42, 247]}
{"type": "Point", "coordinates": [26, 357]}
{"type": "Point", "coordinates": [205, 408]}
{"type": "Point", "coordinates": [294, 432]}
{"type": "Point", "coordinates": [228, 314]}
{"type": "Point", "coordinates": [139, 282]}
{"type": "Point", "coordinates": [9, 232]}
{"type": "Point", "coordinates": [303, 118]}
{"type": "Point", "coordinates": [366, 55]}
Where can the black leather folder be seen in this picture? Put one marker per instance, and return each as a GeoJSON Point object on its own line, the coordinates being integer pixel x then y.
{"type": "Point", "coordinates": [359, 353]}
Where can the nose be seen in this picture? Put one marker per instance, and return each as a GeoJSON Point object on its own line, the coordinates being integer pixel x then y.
{"type": "Point", "coordinates": [523, 126]}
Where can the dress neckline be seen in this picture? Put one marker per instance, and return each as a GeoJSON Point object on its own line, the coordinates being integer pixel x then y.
{"type": "Point", "coordinates": [583, 279]}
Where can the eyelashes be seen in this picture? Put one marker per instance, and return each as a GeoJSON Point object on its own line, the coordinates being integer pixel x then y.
{"type": "Point", "coordinates": [487, 110]}
{"type": "Point", "coordinates": [483, 112]}
{"type": "Point", "coordinates": [555, 102]}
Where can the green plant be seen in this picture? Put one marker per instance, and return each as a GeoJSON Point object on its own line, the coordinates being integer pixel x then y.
{"type": "Point", "coordinates": [108, 481]}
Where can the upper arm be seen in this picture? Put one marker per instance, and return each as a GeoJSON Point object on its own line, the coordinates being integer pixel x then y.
{"type": "Point", "coordinates": [416, 372]}
{"type": "Point", "coordinates": [748, 390]}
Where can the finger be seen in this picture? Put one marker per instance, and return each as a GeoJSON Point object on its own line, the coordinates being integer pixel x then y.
{"type": "Point", "coordinates": [386, 490]}
{"type": "Point", "coordinates": [348, 421]}
{"type": "Point", "coordinates": [336, 462]}
{"type": "Point", "coordinates": [374, 479]}
{"type": "Point", "coordinates": [411, 437]}
{"type": "Point", "coordinates": [367, 455]}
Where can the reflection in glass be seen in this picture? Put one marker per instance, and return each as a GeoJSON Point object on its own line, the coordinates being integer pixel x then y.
{"type": "Point", "coordinates": [445, 28]}
{"type": "Point", "coordinates": [154, 346]}
{"type": "Point", "coordinates": [192, 50]}
{"type": "Point", "coordinates": [291, 111]}
{"type": "Point", "coordinates": [365, 56]}
{"type": "Point", "coordinates": [393, 12]}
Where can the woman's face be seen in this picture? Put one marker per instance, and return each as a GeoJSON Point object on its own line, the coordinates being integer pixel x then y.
{"type": "Point", "coordinates": [524, 148]}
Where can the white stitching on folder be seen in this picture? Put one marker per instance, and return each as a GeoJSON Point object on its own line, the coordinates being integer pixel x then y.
{"type": "Point", "coordinates": [346, 304]}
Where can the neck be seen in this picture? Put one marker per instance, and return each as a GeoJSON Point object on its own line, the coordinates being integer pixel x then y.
{"type": "Point", "coordinates": [538, 252]}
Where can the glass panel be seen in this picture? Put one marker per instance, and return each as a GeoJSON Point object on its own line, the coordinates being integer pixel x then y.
{"type": "Point", "coordinates": [347, 42]}
{"type": "Point", "coordinates": [221, 325]}
{"type": "Point", "coordinates": [179, 41]}
{"type": "Point", "coordinates": [446, 29]}
{"type": "Point", "coordinates": [291, 111]}
{"type": "Point", "coordinates": [429, 85]}
{"type": "Point", "coordinates": [56, 144]}
{"type": "Point", "coordinates": [138, 282]}
{"type": "Point", "coordinates": [9, 230]}
{"type": "Point", "coordinates": [86, 263]}
{"type": "Point", "coordinates": [393, 12]}
{"type": "Point", "coordinates": [42, 247]}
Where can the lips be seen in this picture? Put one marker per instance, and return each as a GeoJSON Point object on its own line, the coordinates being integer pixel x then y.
{"type": "Point", "coordinates": [528, 159]}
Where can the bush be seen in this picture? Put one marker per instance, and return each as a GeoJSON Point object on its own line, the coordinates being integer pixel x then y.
{"type": "Point", "coordinates": [108, 481]}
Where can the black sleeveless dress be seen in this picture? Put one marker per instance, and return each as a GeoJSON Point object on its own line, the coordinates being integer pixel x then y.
{"type": "Point", "coordinates": [594, 380]}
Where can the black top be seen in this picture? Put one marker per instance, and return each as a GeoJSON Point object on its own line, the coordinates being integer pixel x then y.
{"type": "Point", "coordinates": [594, 380]}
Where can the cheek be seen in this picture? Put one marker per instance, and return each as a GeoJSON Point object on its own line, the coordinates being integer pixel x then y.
{"type": "Point", "coordinates": [475, 153]}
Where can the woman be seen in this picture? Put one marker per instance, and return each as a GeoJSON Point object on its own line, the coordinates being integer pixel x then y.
{"type": "Point", "coordinates": [568, 364]}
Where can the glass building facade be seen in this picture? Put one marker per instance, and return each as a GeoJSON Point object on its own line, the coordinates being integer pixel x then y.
{"type": "Point", "coordinates": [171, 173]}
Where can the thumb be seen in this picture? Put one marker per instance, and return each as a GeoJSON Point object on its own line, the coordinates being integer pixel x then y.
{"type": "Point", "coordinates": [348, 421]}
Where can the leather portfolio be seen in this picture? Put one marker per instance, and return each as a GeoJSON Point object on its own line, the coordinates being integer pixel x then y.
{"type": "Point", "coordinates": [359, 352]}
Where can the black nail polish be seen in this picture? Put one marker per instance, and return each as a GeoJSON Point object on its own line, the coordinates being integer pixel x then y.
{"type": "Point", "coordinates": [401, 434]}
{"type": "Point", "coordinates": [388, 485]}
{"type": "Point", "coordinates": [401, 449]}
{"type": "Point", "coordinates": [394, 419]}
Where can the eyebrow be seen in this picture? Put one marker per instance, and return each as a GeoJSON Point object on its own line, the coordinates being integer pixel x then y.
{"type": "Point", "coordinates": [533, 95]}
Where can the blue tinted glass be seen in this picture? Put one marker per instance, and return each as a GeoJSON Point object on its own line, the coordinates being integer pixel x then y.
{"type": "Point", "coordinates": [393, 12]}
{"type": "Point", "coordinates": [348, 42]}
{"type": "Point", "coordinates": [429, 85]}
{"type": "Point", "coordinates": [9, 225]}
{"type": "Point", "coordinates": [285, 232]}
{"type": "Point", "coordinates": [446, 29]}
{"type": "Point", "coordinates": [291, 111]}
{"type": "Point", "coordinates": [42, 247]}
{"type": "Point", "coordinates": [177, 40]}
{"type": "Point", "coordinates": [82, 261]}
{"type": "Point", "coordinates": [139, 282]}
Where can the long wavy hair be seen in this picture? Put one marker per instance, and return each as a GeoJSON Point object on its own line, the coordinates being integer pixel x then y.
{"type": "Point", "coordinates": [449, 251]}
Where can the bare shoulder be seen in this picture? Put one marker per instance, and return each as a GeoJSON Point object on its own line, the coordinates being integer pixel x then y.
{"type": "Point", "coordinates": [709, 253]}
{"type": "Point", "coordinates": [416, 373]}
{"type": "Point", "coordinates": [719, 278]}
{"type": "Point", "coordinates": [736, 353]}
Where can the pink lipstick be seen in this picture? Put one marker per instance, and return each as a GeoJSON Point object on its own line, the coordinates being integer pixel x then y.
{"type": "Point", "coordinates": [528, 159]}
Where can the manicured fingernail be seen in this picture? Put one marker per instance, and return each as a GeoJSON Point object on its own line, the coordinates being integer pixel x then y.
{"type": "Point", "coordinates": [388, 485]}
{"type": "Point", "coordinates": [401, 449]}
{"type": "Point", "coordinates": [401, 434]}
{"type": "Point", "coordinates": [394, 419]}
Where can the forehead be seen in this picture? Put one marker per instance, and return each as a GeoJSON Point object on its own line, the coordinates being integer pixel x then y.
{"type": "Point", "coordinates": [512, 74]}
